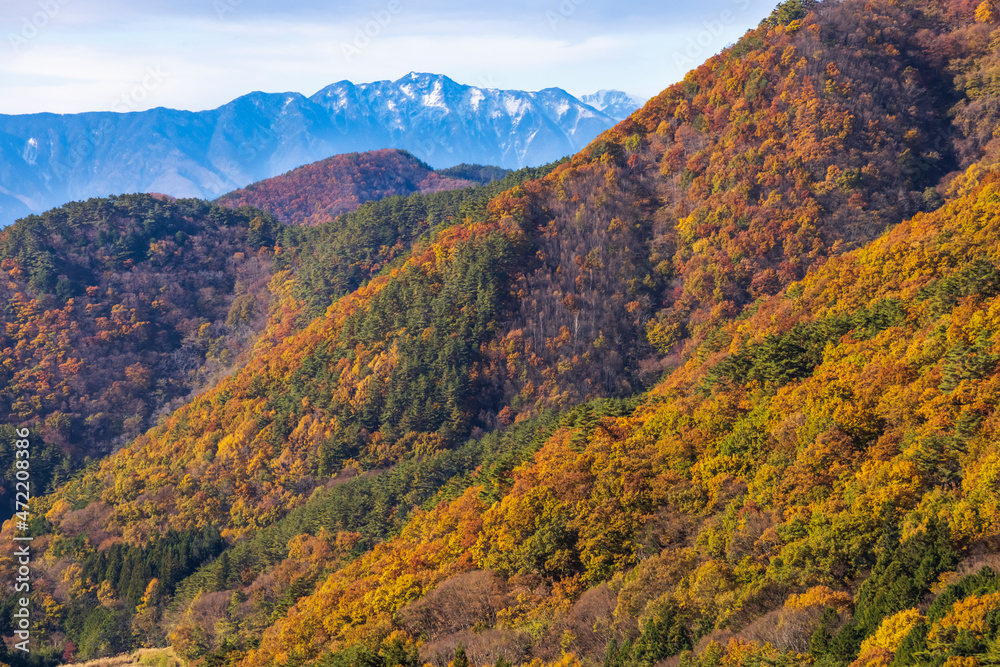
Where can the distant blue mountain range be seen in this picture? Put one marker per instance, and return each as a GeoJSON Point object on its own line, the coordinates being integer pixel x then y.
{"type": "Point", "coordinates": [49, 159]}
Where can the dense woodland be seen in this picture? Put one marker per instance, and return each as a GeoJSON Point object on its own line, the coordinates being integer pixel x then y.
{"type": "Point", "coordinates": [118, 310]}
{"type": "Point", "coordinates": [321, 191]}
{"type": "Point", "coordinates": [719, 390]}
{"type": "Point", "coordinates": [115, 310]}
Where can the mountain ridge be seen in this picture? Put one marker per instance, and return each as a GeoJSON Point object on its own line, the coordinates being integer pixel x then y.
{"type": "Point", "coordinates": [721, 389]}
{"type": "Point", "coordinates": [49, 159]}
{"type": "Point", "coordinates": [615, 103]}
{"type": "Point", "coordinates": [319, 192]}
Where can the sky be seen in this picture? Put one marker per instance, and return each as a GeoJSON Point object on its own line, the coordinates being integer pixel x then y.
{"type": "Point", "coordinates": [70, 56]}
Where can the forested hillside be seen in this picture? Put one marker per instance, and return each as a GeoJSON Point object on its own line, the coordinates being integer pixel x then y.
{"type": "Point", "coordinates": [719, 390]}
{"type": "Point", "coordinates": [321, 191]}
{"type": "Point", "coordinates": [116, 308]}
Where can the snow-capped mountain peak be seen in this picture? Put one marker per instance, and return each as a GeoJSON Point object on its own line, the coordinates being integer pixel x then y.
{"type": "Point", "coordinates": [53, 159]}
{"type": "Point", "coordinates": [614, 103]}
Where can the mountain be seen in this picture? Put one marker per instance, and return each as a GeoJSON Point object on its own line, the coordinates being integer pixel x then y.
{"type": "Point", "coordinates": [47, 159]}
{"type": "Point", "coordinates": [321, 191]}
{"type": "Point", "coordinates": [118, 310]}
{"type": "Point", "coordinates": [138, 301]}
{"type": "Point", "coordinates": [720, 389]}
{"type": "Point", "coordinates": [615, 103]}
{"type": "Point", "coordinates": [114, 308]}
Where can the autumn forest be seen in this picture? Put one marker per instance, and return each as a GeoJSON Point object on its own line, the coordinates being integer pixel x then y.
{"type": "Point", "coordinates": [721, 389]}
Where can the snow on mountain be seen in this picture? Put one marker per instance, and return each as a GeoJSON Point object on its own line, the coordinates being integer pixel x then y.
{"type": "Point", "coordinates": [47, 159]}
{"type": "Point", "coordinates": [614, 103]}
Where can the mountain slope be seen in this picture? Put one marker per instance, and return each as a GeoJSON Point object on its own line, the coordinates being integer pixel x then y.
{"type": "Point", "coordinates": [721, 190]}
{"type": "Point", "coordinates": [321, 191]}
{"type": "Point", "coordinates": [114, 308]}
{"type": "Point", "coordinates": [815, 463]}
{"type": "Point", "coordinates": [117, 309]}
{"type": "Point", "coordinates": [48, 160]}
{"type": "Point", "coordinates": [742, 498]}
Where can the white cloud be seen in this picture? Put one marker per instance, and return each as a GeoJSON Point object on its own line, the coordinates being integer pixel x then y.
{"type": "Point", "coordinates": [90, 53]}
